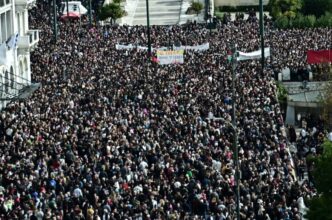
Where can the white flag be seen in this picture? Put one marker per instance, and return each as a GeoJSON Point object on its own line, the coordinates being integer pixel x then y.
{"type": "Point", "coordinates": [12, 42]}
{"type": "Point", "coordinates": [253, 55]}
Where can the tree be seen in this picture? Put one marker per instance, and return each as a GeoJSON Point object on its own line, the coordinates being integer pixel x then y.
{"type": "Point", "coordinates": [320, 207]}
{"type": "Point", "coordinates": [327, 102]}
{"type": "Point", "coordinates": [317, 7]}
{"type": "Point", "coordinates": [325, 20]}
{"type": "Point", "coordinates": [282, 21]}
{"type": "Point", "coordinates": [310, 20]}
{"type": "Point", "coordinates": [117, 2]}
{"type": "Point", "coordinates": [113, 11]}
{"type": "Point", "coordinates": [196, 7]}
{"type": "Point", "coordinates": [288, 8]}
{"type": "Point", "coordinates": [299, 21]}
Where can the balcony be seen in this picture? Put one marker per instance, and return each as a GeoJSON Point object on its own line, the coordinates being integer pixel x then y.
{"type": "Point", "coordinates": [28, 41]}
{"type": "Point", "coordinates": [24, 4]}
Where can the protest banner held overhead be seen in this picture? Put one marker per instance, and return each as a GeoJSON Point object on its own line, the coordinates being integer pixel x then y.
{"type": "Point", "coordinates": [170, 56]}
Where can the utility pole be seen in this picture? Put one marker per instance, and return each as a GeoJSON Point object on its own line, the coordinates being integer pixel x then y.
{"type": "Point", "coordinates": [90, 13]}
{"type": "Point", "coordinates": [50, 11]}
{"type": "Point", "coordinates": [235, 141]}
{"type": "Point", "coordinates": [55, 30]}
{"type": "Point", "coordinates": [67, 6]}
{"type": "Point", "coordinates": [148, 26]}
{"type": "Point", "coordinates": [261, 31]}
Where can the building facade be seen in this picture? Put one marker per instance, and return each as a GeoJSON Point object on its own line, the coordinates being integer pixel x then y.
{"type": "Point", "coordinates": [16, 43]}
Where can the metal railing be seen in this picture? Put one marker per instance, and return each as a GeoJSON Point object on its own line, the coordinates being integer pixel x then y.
{"type": "Point", "coordinates": [11, 84]}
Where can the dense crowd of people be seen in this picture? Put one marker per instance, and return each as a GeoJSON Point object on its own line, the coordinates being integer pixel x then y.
{"type": "Point", "coordinates": [112, 135]}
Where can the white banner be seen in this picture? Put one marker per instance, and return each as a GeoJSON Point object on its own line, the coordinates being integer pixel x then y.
{"type": "Point", "coordinates": [201, 47]}
{"type": "Point", "coordinates": [170, 56]}
{"type": "Point", "coordinates": [130, 47]}
{"type": "Point", "coordinates": [253, 55]}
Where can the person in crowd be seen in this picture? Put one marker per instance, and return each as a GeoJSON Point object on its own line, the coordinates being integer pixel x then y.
{"type": "Point", "coordinates": [112, 135]}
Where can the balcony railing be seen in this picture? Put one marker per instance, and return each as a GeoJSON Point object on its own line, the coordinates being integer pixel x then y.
{"type": "Point", "coordinates": [28, 41]}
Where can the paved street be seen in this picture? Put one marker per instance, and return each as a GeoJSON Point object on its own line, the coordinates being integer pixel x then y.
{"type": "Point", "coordinates": [162, 12]}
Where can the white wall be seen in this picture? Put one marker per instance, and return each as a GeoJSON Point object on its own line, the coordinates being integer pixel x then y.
{"type": "Point", "coordinates": [10, 24]}
{"type": "Point", "coordinates": [238, 2]}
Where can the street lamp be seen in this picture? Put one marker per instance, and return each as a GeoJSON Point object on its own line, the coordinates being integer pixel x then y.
{"type": "Point", "coordinates": [90, 13]}
{"type": "Point", "coordinates": [67, 7]}
{"type": "Point", "coordinates": [261, 31]}
{"type": "Point", "coordinates": [55, 28]}
{"type": "Point", "coordinates": [148, 26]}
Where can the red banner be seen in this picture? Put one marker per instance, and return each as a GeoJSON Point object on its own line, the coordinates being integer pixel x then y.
{"type": "Point", "coordinates": [319, 56]}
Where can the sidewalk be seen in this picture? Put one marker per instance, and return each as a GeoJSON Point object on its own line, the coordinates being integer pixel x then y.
{"type": "Point", "coordinates": [162, 12]}
{"type": "Point", "coordinates": [184, 18]}
{"type": "Point", "coordinates": [130, 7]}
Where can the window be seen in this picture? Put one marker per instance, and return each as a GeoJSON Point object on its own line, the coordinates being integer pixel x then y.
{"type": "Point", "coordinates": [9, 23]}
{"type": "Point", "coordinates": [3, 27]}
{"type": "Point", "coordinates": [2, 3]}
{"type": "Point", "coordinates": [18, 22]}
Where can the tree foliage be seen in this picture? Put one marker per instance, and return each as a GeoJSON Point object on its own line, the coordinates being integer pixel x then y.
{"type": "Point", "coordinates": [320, 207]}
{"type": "Point", "coordinates": [316, 7]}
{"type": "Point", "coordinates": [325, 20]}
{"type": "Point", "coordinates": [196, 7]}
{"type": "Point", "coordinates": [301, 21]}
{"type": "Point", "coordinates": [112, 10]}
{"type": "Point", "coordinates": [281, 93]}
{"type": "Point", "coordinates": [327, 102]}
{"type": "Point", "coordinates": [117, 1]}
{"type": "Point", "coordinates": [323, 170]}
{"type": "Point", "coordinates": [301, 13]}
{"type": "Point", "coordinates": [288, 8]}
{"type": "Point", "coordinates": [282, 22]}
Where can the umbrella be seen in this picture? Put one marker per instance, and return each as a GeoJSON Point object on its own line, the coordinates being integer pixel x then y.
{"type": "Point", "coordinates": [70, 15]}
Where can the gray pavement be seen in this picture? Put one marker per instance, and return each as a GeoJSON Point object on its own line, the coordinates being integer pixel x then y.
{"type": "Point", "coordinates": [162, 12]}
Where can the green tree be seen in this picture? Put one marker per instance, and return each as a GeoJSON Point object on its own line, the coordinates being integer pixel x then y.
{"type": "Point", "coordinates": [299, 21]}
{"type": "Point", "coordinates": [310, 21]}
{"type": "Point", "coordinates": [117, 1]}
{"type": "Point", "coordinates": [320, 207]}
{"type": "Point", "coordinates": [325, 20]}
{"type": "Point", "coordinates": [288, 8]}
{"type": "Point", "coordinates": [112, 10]}
{"type": "Point", "coordinates": [327, 102]}
{"type": "Point", "coordinates": [282, 22]}
{"type": "Point", "coordinates": [281, 93]}
{"type": "Point", "coordinates": [196, 7]}
{"type": "Point", "coordinates": [274, 9]}
{"type": "Point", "coordinates": [316, 7]}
